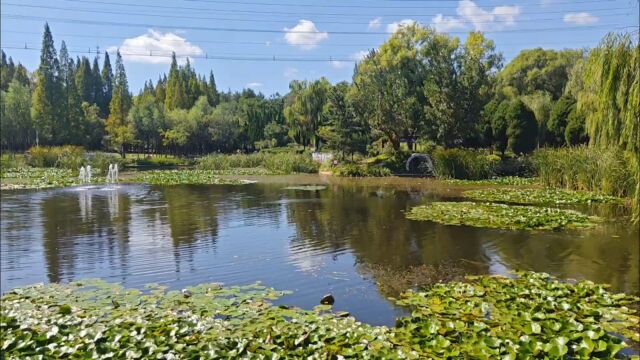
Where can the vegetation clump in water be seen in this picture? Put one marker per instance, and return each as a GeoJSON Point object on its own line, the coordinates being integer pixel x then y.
{"type": "Point", "coordinates": [539, 196]}
{"type": "Point", "coordinates": [500, 216]}
{"type": "Point", "coordinates": [38, 178]}
{"type": "Point", "coordinates": [533, 316]}
{"type": "Point", "coordinates": [503, 180]}
{"type": "Point", "coordinates": [306, 187]}
{"type": "Point", "coordinates": [179, 177]}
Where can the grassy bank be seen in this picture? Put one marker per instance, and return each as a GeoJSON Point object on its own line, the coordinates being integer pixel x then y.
{"type": "Point", "coordinates": [529, 316]}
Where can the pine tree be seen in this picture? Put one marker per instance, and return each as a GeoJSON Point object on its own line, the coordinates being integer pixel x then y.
{"type": "Point", "coordinates": [119, 130]}
{"type": "Point", "coordinates": [107, 83]}
{"type": "Point", "coordinates": [46, 96]}
{"type": "Point", "coordinates": [161, 89]}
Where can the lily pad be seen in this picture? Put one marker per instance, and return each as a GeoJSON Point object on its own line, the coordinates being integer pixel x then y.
{"type": "Point", "coordinates": [183, 177]}
{"type": "Point", "coordinates": [500, 216]}
{"type": "Point", "coordinates": [539, 196]}
{"type": "Point", "coordinates": [306, 187]}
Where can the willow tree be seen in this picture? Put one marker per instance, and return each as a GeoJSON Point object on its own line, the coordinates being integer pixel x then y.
{"type": "Point", "coordinates": [610, 100]}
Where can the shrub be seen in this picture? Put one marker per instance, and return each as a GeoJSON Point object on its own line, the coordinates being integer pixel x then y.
{"type": "Point", "coordinates": [11, 161]}
{"type": "Point", "coordinates": [67, 156]}
{"type": "Point", "coordinates": [608, 171]}
{"type": "Point", "coordinates": [290, 163]}
{"type": "Point", "coordinates": [464, 164]}
{"type": "Point", "coordinates": [357, 170]}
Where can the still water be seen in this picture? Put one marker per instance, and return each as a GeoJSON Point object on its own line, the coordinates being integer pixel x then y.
{"type": "Point", "coordinates": [311, 242]}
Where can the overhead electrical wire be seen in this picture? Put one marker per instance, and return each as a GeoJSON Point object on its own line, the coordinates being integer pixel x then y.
{"type": "Point", "coordinates": [290, 31]}
{"type": "Point", "coordinates": [191, 17]}
{"type": "Point", "coordinates": [314, 13]}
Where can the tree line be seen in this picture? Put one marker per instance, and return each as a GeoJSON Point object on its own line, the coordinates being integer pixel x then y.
{"type": "Point", "coordinates": [420, 86]}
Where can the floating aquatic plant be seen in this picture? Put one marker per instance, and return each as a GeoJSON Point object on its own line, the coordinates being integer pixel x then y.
{"type": "Point", "coordinates": [539, 196]}
{"type": "Point", "coordinates": [500, 216]}
{"type": "Point", "coordinates": [503, 180]}
{"type": "Point", "coordinates": [306, 187]}
{"type": "Point", "coordinates": [179, 177]}
{"type": "Point", "coordinates": [486, 317]}
{"type": "Point", "coordinates": [39, 178]}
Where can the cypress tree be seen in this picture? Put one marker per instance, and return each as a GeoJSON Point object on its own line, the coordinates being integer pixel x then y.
{"type": "Point", "coordinates": [161, 89]}
{"type": "Point", "coordinates": [174, 91]}
{"type": "Point", "coordinates": [107, 83]}
{"type": "Point", "coordinates": [46, 96]}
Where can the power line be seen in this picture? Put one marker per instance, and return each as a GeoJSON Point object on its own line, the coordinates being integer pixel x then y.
{"type": "Point", "coordinates": [194, 41]}
{"type": "Point", "coordinates": [254, 30]}
{"type": "Point", "coordinates": [314, 13]}
{"type": "Point", "coordinates": [174, 16]}
{"type": "Point", "coordinates": [204, 57]}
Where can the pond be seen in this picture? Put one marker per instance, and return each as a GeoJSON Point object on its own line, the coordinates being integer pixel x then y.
{"type": "Point", "coordinates": [312, 242]}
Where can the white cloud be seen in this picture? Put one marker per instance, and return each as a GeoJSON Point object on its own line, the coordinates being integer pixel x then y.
{"type": "Point", "coordinates": [336, 64]}
{"type": "Point", "coordinates": [581, 18]}
{"type": "Point", "coordinates": [290, 72]}
{"type": "Point", "coordinates": [393, 27]}
{"type": "Point", "coordinates": [137, 49]}
{"type": "Point", "coordinates": [360, 55]}
{"type": "Point", "coordinates": [254, 85]}
{"type": "Point", "coordinates": [485, 20]}
{"type": "Point", "coordinates": [375, 23]}
{"type": "Point", "coordinates": [446, 23]}
{"type": "Point", "coordinates": [305, 35]}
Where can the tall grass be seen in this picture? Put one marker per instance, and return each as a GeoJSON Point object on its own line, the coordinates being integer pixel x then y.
{"type": "Point", "coordinates": [464, 164]}
{"type": "Point", "coordinates": [67, 156]}
{"type": "Point", "coordinates": [608, 171]}
{"type": "Point", "coordinates": [275, 163]}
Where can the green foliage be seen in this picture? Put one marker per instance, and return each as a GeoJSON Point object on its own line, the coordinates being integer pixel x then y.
{"type": "Point", "coordinates": [532, 315]}
{"type": "Point", "coordinates": [502, 180]}
{"type": "Point", "coordinates": [305, 110]}
{"type": "Point", "coordinates": [118, 127]}
{"type": "Point", "coordinates": [67, 157]}
{"type": "Point", "coordinates": [463, 164]}
{"type": "Point", "coordinates": [575, 133]}
{"type": "Point", "coordinates": [182, 177]}
{"type": "Point", "coordinates": [559, 119]}
{"type": "Point", "coordinates": [273, 163]}
{"type": "Point", "coordinates": [607, 171]}
{"type": "Point", "coordinates": [609, 100]}
{"type": "Point", "coordinates": [359, 170]}
{"type": "Point", "coordinates": [522, 131]}
{"type": "Point", "coordinates": [539, 196]}
{"type": "Point", "coordinates": [16, 128]}
{"type": "Point", "coordinates": [500, 216]}
{"type": "Point", "coordinates": [345, 132]}
{"type": "Point", "coordinates": [36, 178]}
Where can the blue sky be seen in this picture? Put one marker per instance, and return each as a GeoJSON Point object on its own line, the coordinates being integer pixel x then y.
{"type": "Point", "coordinates": [324, 37]}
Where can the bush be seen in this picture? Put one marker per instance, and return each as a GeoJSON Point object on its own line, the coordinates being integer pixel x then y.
{"type": "Point", "coordinates": [464, 164]}
{"type": "Point", "coordinates": [608, 171]}
{"type": "Point", "coordinates": [67, 156]}
{"type": "Point", "coordinates": [11, 161]}
{"type": "Point", "coordinates": [290, 163]}
{"type": "Point", "coordinates": [357, 170]}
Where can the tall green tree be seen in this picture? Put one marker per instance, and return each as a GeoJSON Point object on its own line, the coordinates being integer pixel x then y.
{"type": "Point", "coordinates": [610, 100]}
{"type": "Point", "coordinates": [96, 82]}
{"type": "Point", "coordinates": [84, 81]}
{"type": "Point", "coordinates": [522, 130]}
{"type": "Point", "coordinates": [16, 128]}
{"type": "Point", "coordinates": [345, 133]}
{"type": "Point", "coordinates": [45, 110]}
{"type": "Point", "coordinates": [71, 126]}
{"type": "Point", "coordinates": [306, 109]}
{"type": "Point", "coordinates": [118, 128]}
{"type": "Point", "coordinates": [107, 85]}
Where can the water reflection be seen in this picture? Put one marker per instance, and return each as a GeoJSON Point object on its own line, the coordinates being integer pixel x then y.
{"type": "Point", "coordinates": [307, 241]}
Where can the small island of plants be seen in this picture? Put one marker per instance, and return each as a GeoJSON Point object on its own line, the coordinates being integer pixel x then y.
{"type": "Point", "coordinates": [529, 316]}
{"type": "Point", "coordinates": [500, 216]}
{"type": "Point", "coordinates": [539, 196]}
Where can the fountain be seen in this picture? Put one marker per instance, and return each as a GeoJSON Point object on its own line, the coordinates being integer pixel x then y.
{"type": "Point", "coordinates": [82, 175]}
{"type": "Point", "coordinates": [112, 175]}
{"type": "Point", "coordinates": [88, 174]}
